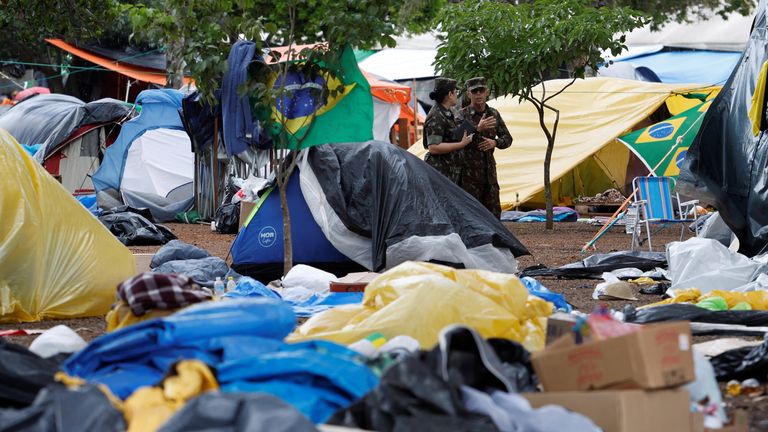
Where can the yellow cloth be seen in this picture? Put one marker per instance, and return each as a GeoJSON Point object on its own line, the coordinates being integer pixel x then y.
{"type": "Point", "coordinates": [756, 110]}
{"type": "Point", "coordinates": [148, 408]}
{"type": "Point", "coordinates": [593, 113]}
{"type": "Point", "coordinates": [420, 299]}
{"type": "Point", "coordinates": [121, 316]}
{"type": "Point", "coordinates": [56, 259]}
{"type": "Point", "coordinates": [757, 299]}
{"type": "Point", "coordinates": [679, 103]}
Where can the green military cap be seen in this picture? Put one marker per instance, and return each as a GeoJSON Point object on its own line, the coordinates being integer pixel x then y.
{"type": "Point", "coordinates": [476, 82]}
{"type": "Point", "coordinates": [447, 83]}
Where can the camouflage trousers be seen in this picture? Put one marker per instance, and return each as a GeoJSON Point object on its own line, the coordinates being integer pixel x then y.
{"type": "Point", "coordinates": [486, 191]}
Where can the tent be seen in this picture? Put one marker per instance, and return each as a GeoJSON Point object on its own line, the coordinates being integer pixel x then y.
{"type": "Point", "coordinates": [672, 67]}
{"type": "Point", "coordinates": [151, 164]}
{"type": "Point", "coordinates": [361, 198]}
{"type": "Point", "coordinates": [390, 103]}
{"type": "Point", "coordinates": [725, 165]}
{"type": "Point", "coordinates": [587, 158]}
{"type": "Point", "coordinates": [58, 261]}
{"type": "Point", "coordinates": [73, 134]}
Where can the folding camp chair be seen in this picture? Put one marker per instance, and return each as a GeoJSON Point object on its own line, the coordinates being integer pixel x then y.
{"type": "Point", "coordinates": [654, 206]}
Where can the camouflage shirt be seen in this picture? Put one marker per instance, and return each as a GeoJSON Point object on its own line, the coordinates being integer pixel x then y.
{"type": "Point", "coordinates": [481, 165]}
{"type": "Point", "coordinates": [438, 128]}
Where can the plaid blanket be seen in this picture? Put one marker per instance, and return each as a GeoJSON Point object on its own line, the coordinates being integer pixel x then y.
{"type": "Point", "coordinates": [150, 290]}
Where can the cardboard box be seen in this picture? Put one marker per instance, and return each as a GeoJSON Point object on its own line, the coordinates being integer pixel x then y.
{"type": "Point", "coordinates": [245, 211]}
{"type": "Point", "coordinates": [625, 410]}
{"type": "Point", "coordinates": [142, 262]}
{"type": "Point", "coordinates": [558, 325]}
{"type": "Point", "coordinates": [353, 282]}
{"type": "Point", "coordinates": [658, 356]}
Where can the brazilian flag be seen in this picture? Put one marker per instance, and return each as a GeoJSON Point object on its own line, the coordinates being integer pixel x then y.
{"type": "Point", "coordinates": [334, 105]}
{"type": "Point", "coordinates": [662, 146]}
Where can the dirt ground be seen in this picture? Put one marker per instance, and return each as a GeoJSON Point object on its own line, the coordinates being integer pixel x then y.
{"type": "Point", "coordinates": [551, 248]}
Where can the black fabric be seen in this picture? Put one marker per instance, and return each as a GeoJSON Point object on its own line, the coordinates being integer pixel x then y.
{"type": "Point", "coordinates": [742, 363]}
{"type": "Point", "coordinates": [422, 391]}
{"type": "Point", "coordinates": [177, 250]}
{"type": "Point", "coordinates": [595, 265]}
{"type": "Point", "coordinates": [693, 313]}
{"type": "Point", "coordinates": [228, 218]}
{"type": "Point", "coordinates": [382, 192]}
{"type": "Point", "coordinates": [57, 409]}
{"type": "Point", "coordinates": [656, 289]}
{"type": "Point", "coordinates": [133, 229]}
{"type": "Point", "coordinates": [237, 412]}
{"type": "Point", "coordinates": [23, 373]}
{"type": "Point", "coordinates": [199, 119]}
{"type": "Point", "coordinates": [726, 165]}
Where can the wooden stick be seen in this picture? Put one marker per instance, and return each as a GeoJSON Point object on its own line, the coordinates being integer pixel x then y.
{"type": "Point", "coordinates": [610, 221]}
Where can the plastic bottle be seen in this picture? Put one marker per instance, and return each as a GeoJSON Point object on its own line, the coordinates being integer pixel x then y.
{"type": "Point", "coordinates": [218, 287]}
{"type": "Point", "coordinates": [231, 284]}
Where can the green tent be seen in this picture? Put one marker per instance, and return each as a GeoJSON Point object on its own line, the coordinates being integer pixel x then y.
{"type": "Point", "coordinates": [662, 146]}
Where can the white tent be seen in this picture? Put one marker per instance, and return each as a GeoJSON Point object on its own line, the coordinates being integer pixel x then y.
{"type": "Point", "coordinates": [159, 162]}
{"type": "Point", "coordinates": [401, 64]}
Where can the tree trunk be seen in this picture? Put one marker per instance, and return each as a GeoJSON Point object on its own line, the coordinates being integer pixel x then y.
{"type": "Point", "coordinates": [175, 62]}
{"type": "Point", "coordinates": [548, 184]}
{"type": "Point", "coordinates": [287, 239]}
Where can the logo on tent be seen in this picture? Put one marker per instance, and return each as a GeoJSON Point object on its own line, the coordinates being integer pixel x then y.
{"type": "Point", "coordinates": [267, 236]}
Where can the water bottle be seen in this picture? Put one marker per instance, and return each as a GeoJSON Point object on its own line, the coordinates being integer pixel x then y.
{"type": "Point", "coordinates": [231, 285]}
{"type": "Point", "coordinates": [218, 287]}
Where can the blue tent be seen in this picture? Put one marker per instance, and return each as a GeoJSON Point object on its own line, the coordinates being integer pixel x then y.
{"type": "Point", "coordinates": [159, 109]}
{"type": "Point", "coordinates": [697, 67]}
{"type": "Point", "coordinates": [258, 249]}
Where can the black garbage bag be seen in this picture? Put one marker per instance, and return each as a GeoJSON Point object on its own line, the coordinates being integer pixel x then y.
{"type": "Point", "coordinates": [23, 373]}
{"type": "Point", "coordinates": [595, 265]}
{"type": "Point", "coordinates": [228, 218]}
{"type": "Point", "coordinates": [656, 289]}
{"type": "Point", "coordinates": [57, 409]}
{"type": "Point", "coordinates": [177, 250]}
{"type": "Point", "coordinates": [133, 229]}
{"type": "Point", "coordinates": [693, 313]}
{"type": "Point", "coordinates": [742, 363]}
{"type": "Point", "coordinates": [422, 392]}
{"type": "Point", "coordinates": [237, 412]}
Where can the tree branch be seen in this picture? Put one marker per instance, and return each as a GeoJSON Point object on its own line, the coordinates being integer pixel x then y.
{"type": "Point", "coordinates": [560, 91]}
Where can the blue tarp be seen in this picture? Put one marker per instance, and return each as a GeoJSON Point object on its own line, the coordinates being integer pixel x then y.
{"type": "Point", "coordinates": [89, 202]}
{"type": "Point", "coordinates": [695, 67]}
{"type": "Point", "coordinates": [242, 340]}
{"type": "Point", "coordinates": [159, 109]}
{"type": "Point", "coordinates": [537, 289]}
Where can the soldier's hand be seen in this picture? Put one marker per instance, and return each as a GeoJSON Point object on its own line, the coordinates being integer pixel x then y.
{"type": "Point", "coordinates": [487, 144]}
{"type": "Point", "coordinates": [486, 123]}
{"type": "Point", "coordinates": [466, 139]}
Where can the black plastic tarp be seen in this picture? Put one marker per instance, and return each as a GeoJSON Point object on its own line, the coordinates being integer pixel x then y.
{"type": "Point", "coordinates": [237, 412]}
{"type": "Point", "coordinates": [693, 313]}
{"type": "Point", "coordinates": [742, 363]}
{"type": "Point", "coordinates": [726, 165]}
{"type": "Point", "coordinates": [57, 409]}
{"type": "Point", "coordinates": [50, 118]}
{"type": "Point", "coordinates": [595, 265]}
{"type": "Point", "coordinates": [133, 228]}
{"type": "Point", "coordinates": [407, 209]}
{"type": "Point", "coordinates": [23, 373]}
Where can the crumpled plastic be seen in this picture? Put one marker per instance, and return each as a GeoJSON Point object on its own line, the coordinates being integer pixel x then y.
{"type": "Point", "coordinates": [22, 374]}
{"type": "Point", "coordinates": [56, 259]}
{"type": "Point", "coordinates": [742, 363]}
{"type": "Point", "coordinates": [419, 299]}
{"type": "Point", "coordinates": [177, 250]}
{"type": "Point", "coordinates": [758, 300]}
{"type": "Point", "coordinates": [148, 408]}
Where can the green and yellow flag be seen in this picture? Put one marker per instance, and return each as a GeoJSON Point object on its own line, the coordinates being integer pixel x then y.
{"type": "Point", "coordinates": [662, 147]}
{"type": "Point", "coordinates": [332, 106]}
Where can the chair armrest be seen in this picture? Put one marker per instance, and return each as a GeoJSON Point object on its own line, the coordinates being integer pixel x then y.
{"type": "Point", "coordinates": [689, 203]}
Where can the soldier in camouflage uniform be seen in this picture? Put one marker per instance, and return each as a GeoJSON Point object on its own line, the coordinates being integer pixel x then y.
{"type": "Point", "coordinates": [478, 176]}
{"type": "Point", "coordinates": [444, 148]}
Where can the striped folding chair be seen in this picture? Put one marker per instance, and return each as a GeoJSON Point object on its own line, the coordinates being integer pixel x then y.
{"type": "Point", "coordinates": [654, 205]}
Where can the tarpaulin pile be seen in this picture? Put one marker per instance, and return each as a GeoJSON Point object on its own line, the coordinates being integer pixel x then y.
{"type": "Point", "coordinates": [242, 342]}
{"type": "Point", "coordinates": [135, 227]}
{"type": "Point", "coordinates": [595, 265]}
{"type": "Point", "coordinates": [192, 261]}
{"type": "Point", "coordinates": [419, 299]}
{"type": "Point", "coordinates": [53, 251]}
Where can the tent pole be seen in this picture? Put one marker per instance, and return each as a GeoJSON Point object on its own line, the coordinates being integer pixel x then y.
{"type": "Point", "coordinates": [215, 154]}
{"type": "Point", "coordinates": [415, 115]}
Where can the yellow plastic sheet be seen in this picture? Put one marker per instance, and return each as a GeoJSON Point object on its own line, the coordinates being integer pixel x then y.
{"type": "Point", "coordinates": [757, 299]}
{"type": "Point", "coordinates": [420, 299]}
{"type": "Point", "coordinates": [121, 316]}
{"type": "Point", "coordinates": [757, 108]}
{"type": "Point", "coordinates": [148, 408]}
{"type": "Point", "coordinates": [56, 259]}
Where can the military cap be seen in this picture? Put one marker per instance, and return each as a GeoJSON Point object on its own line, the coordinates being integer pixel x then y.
{"type": "Point", "coordinates": [476, 82]}
{"type": "Point", "coordinates": [444, 83]}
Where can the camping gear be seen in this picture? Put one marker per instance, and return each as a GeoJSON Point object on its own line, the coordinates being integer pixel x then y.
{"type": "Point", "coordinates": [148, 291]}
{"type": "Point", "coordinates": [237, 412]}
{"type": "Point", "coordinates": [595, 265]}
{"type": "Point", "coordinates": [54, 252]}
{"type": "Point", "coordinates": [654, 201]}
{"type": "Point", "coordinates": [725, 163]}
{"type": "Point", "coordinates": [58, 409]}
{"type": "Point", "coordinates": [151, 163]}
{"type": "Point", "coordinates": [243, 342]}
{"type": "Point", "coordinates": [393, 305]}
{"type": "Point", "coordinates": [71, 133]}
{"type": "Point", "coordinates": [22, 374]}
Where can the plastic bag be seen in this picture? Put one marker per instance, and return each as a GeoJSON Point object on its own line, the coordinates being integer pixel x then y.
{"type": "Point", "coordinates": [693, 313]}
{"type": "Point", "coordinates": [742, 363]}
{"type": "Point", "coordinates": [22, 374]}
{"type": "Point", "coordinates": [314, 279]}
{"type": "Point", "coordinates": [57, 340]}
{"type": "Point", "coordinates": [708, 265]}
{"type": "Point", "coordinates": [536, 288]}
{"type": "Point", "coordinates": [228, 218]}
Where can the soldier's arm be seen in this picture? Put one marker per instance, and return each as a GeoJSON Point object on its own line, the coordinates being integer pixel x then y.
{"type": "Point", "coordinates": [503, 137]}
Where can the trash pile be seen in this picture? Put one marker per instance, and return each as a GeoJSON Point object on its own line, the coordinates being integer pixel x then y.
{"type": "Point", "coordinates": [610, 196]}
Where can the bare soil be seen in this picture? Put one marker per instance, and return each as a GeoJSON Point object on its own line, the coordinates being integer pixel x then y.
{"type": "Point", "coordinates": [551, 248]}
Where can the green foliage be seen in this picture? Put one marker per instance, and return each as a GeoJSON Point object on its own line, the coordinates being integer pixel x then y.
{"type": "Point", "coordinates": [663, 11]}
{"type": "Point", "coordinates": [528, 42]}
